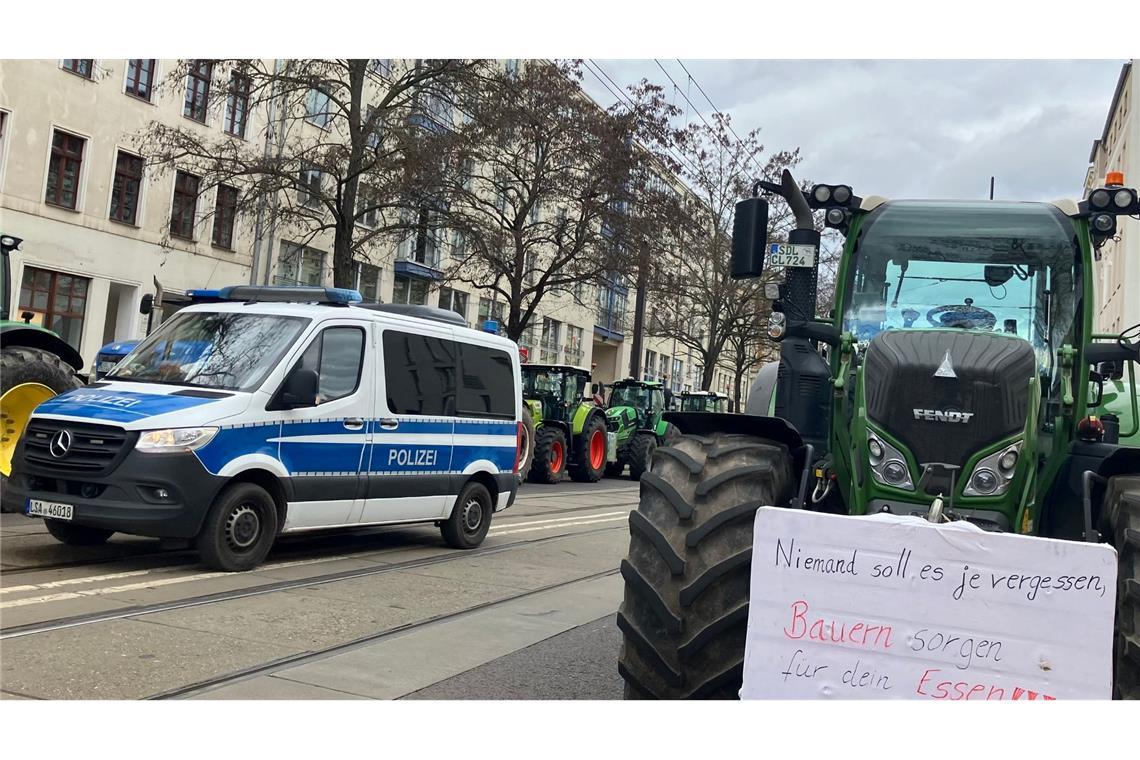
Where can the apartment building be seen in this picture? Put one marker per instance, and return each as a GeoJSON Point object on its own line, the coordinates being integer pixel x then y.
{"type": "Point", "coordinates": [1117, 268]}
{"type": "Point", "coordinates": [101, 228]}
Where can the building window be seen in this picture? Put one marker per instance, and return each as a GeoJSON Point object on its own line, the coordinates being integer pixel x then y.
{"type": "Point", "coordinates": [185, 205]}
{"type": "Point", "coordinates": [453, 300]}
{"type": "Point", "coordinates": [410, 290]}
{"type": "Point", "coordinates": [367, 203]}
{"type": "Point", "coordinates": [140, 78]}
{"type": "Point", "coordinates": [300, 265]}
{"type": "Point", "coordinates": [489, 309]}
{"type": "Point", "coordinates": [368, 282]}
{"type": "Point", "coordinates": [548, 349]}
{"type": "Point", "coordinates": [125, 189]}
{"type": "Point", "coordinates": [372, 124]}
{"type": "Point", "coordinates": [237, 105]}
{"type": "Point", "coordinates": [512, 67]}
{"type": "Point", "coordinates": [225, 213]}
{"type": "Point", "coordinates": [198, 90]}
{"type": "Point", "coordinates": [309, 191]}
{"type": "Point", "coordinates": [678, 375]}
{"type": "Point", "coordinates": [573, 346]}
{"type": "Point", "coordinates": [56, 300]}
{"type": "Point", "coordinates": [382, 66]}
{"type": "Point", "coordinates": [84, 67]}
{"type": "Point", "coordinates": [650, 365]}
{"type": "Point", "coordinates": [63, 169]}
{"type": "Point", "coordinates": [317, 107]}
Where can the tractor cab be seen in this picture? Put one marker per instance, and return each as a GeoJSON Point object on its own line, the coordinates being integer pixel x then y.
{"type": "Point", "coordinates": [635, 415]}
{"type": "Point", "coordinates": [702, 401]}
{"type": "Point", "coordinates": [556, 388]}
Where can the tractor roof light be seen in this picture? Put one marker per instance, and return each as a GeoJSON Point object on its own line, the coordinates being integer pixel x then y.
{"type": "Point", "coordinates": [1099, 198]}
{"type": "Point", "coordinates": [836, 216]}
{"type": "Point", "coordinates": [1114, 178]}
{"type": "Point", "coordinates": [841, 194]}
{"type": "Point", "coordinates": [821, 193]}
{"type": "Point", "coordinates": [1124, 198]}
{"type": "Point", "coordinates": [1103, 224]}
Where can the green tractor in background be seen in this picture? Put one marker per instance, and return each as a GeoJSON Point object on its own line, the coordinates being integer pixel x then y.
{"type": "Point", "coordinates": [957, 378]}
{"type": "Point", "coordinates": [702, 401]}
{"type": "Point", "coordinates": [35, 364]}
{"type": "Point", "coordinates": [634, 414]}
{"type": "Point", "coordinates": [568, 431]}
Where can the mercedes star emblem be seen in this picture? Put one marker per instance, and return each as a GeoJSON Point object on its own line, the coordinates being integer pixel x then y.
{"type": "Point", "coordinates": [60, 444]}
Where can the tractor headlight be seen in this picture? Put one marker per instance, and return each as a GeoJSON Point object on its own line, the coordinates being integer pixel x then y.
{"type": "Point", "coordinates": [1099, 199]}
{"type": "Point", "coordinates": [888, 465]}
{"type": "Point", "coordinates": [993, 474]}
{"type": "Point", "coordinates": [175, 440]}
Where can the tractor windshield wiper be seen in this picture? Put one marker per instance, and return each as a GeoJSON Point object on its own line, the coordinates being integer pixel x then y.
{"type": "Point", "coordinates": [902, 275]}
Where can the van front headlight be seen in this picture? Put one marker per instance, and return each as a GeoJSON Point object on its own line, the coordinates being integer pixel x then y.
{"type": "Point", "coordinates": [174, 440]}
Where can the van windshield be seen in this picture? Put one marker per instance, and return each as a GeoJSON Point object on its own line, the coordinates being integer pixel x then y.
{"type": "Point", "coordinates": [212, 350]}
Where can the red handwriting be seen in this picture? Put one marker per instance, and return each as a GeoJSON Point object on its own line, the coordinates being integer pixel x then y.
{"type": "Point", "coordinates": [928, 686]}
{"type": "Point", "coordinates": [830, 631]}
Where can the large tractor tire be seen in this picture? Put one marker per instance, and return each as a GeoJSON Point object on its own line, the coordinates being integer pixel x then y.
{"type": "Point", "coordinates": [28, 377]}
{"type": "Point", "coordinates": [549, 455]}
{"type": "Point", "coordinates": [1122, 502]}
{"type": "Point", "coordinates": [590, 452]}
{"type": "Point", "coordinates": [672, 433]}
{"type": "Point", "coordinates": [641, 450]}
{"type": "Point", "coordinates": [685, 609]}
{"type": "Point", "coordinates": [526, 455]}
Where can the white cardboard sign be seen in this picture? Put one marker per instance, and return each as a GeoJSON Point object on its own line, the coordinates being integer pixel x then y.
{"type": "Point", "coordinates": [891, 607]}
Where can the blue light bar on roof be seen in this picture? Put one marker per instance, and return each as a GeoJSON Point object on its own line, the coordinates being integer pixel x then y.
{"type": "Point", "coordinates": [290, 294]}
{"type": "Point", "coordinates": [203, 294]}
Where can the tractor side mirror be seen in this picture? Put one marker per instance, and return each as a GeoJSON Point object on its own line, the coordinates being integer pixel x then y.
{"type": "Point", "coordinates": [1095, 353]}
{"type": "Point", "coordinates": [146, 305]}
{"type": "Point", "coordinates": [749, 238]}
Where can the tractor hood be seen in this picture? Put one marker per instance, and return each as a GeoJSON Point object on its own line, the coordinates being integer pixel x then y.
{"type": "Point", "coordinates": [947, 394]}
{"type": "Point", "coordinates": [622, 416]}
{"type": "Point", "coordinates": [144, 406]}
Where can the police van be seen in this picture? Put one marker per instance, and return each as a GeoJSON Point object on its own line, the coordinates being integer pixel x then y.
{"type": "Point", "coordinates": [281, 410]}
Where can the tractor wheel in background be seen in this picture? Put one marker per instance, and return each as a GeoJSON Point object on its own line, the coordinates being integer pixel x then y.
{"type": "Point", "coordinates": [641, 450]}
{"type": "Point", "coordinates": [549, 455]}
{"type": "Point", "coordinates": [1122, 507]}
{"type": "Point", "coordinates": [28, 377]}
{"type": "Point", "coordinates": [526, 453]}
{"type": "Point", "coordinates": [672, 433]}
{"type": "Point", "coordinates": [685, 610]}
{"type": "Point", "coordinates": [590, 453]}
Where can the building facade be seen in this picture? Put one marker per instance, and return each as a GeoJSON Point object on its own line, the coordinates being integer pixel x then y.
{"type": "Point", "coordinates": [101, 228]}
{"type": "Point", "coordinates": [1117, 268]}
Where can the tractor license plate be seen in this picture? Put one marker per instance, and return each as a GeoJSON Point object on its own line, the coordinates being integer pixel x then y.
{"type": "Point", "coordinates": [789, 255]}
{"type": "Point", "coordinates": [54, 510]}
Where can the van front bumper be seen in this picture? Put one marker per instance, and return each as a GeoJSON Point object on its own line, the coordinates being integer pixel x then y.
{"type": "Point", "coordinates": [156, 495]}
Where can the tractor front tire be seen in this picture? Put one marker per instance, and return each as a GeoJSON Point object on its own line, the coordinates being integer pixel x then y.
{"type": "Point", "coordinates": [685, 610]}
{"type": "Point", "coordinates": [641, 450]}
{"type": "Point", "coordinates": [549, 455]}
{"type": "Point", "coordinates": [1122, 502]}
{"type": "Point", "coordinates": [590, 453]}
{"type": "Point", "coordinates": [526, 455]}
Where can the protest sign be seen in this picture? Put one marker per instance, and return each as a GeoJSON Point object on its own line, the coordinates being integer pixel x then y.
{"type": "Point", "coordinates": [885, 606]}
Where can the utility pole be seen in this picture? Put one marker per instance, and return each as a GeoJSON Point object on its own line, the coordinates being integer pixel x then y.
{"type": "Point", "coordinates": [992, 188]}
{"type": "Point", "coordinates": [639, 310]}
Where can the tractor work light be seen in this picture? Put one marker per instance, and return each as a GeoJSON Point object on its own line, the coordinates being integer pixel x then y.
{"type": "Point", "coordinates": [1124, 198]}
{"type": "Point", "coordinates": [835, 216]}
{"type": "Point", "coordinates": [777, 325]}
{"type": "Point", "coordinates": [1099, 199]}
{"type": "Point", "coordinates": [821, 193]}
{"type": "Point", "coordinates": [1103, 224]}
{"type": "Point", "coordinates": [831, 196]}
{"type": "Point", "coordinates": [772, 291]}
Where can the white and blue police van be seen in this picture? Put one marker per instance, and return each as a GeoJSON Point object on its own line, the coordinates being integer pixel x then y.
{"type": "Point", "coordinates": [281, 410]}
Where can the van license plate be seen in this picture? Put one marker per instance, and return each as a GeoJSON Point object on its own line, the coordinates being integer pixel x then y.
{"type": "Point", "coordinates": [37, 508]}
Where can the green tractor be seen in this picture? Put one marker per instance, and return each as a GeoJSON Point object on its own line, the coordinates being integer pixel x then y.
{"type": "Point", "coordinates": [702, 401]}
{"type": "Point", "coordinates": [634, 414]}
{"type": "Point", "coordinates": [962, 374]}
{"type": "Point", "coordinates": [35, 364]}
{"type": "Point", "coordinates": [567, 430]}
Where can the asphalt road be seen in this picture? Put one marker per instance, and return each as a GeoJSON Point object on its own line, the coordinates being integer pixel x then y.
{"type": "Point", "coordinates": [361, 613]}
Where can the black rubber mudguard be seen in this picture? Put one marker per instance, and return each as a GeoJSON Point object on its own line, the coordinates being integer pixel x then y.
{"type": "Point", "coordinates": [707, 423]}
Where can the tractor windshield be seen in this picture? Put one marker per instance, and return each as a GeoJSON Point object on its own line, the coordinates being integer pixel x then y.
{"type": "Point", "coordinates": [975, 265]}
{"type": "Point", "coordinates": [554, 384]}
{"type": "Point", "coordinates": [636, 396]}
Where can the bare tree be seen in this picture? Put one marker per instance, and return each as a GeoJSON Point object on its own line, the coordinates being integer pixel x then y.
{"type": "Point", "coordinates": [751, 347]}
{"type": "Point", "coordinates": [698, 302]}
{"type": "Point", "coordinates": [539, 204]}
{"type": "Point", "coordinates": [344, 146]}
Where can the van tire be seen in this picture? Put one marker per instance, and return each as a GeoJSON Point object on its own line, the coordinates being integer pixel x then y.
{"type": "Point", "coordinates": [459, 530]}
{"type": "Point", "coordinates": [76, 535]}
{"type": "Point", "coordinates": [239, 529]}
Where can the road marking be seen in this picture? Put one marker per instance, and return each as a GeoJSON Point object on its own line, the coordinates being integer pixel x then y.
{"type": "Point", "coordinates": [561, 519]}
{"type": "Point", "coordinates": [81, 593]}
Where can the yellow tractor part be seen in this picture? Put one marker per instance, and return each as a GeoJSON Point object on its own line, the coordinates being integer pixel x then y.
{"type": "Point", "coordinates": [16, 407]}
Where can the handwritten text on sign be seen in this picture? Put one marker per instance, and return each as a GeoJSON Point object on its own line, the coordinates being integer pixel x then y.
{"type": "Point", "coordinates": [889, 607]}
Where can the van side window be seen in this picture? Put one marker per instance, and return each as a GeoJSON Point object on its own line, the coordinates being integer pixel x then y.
{"type": "Point", "coordinates": [337, 356]}
{"type": "Point", "coordinates": [488, 387]}
{"type": "Point", "coordinates": [419, 373]}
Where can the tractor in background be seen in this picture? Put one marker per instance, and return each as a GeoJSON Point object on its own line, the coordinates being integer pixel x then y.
{"type": "Point", "coordinates": [634, 415]}
{"type": "Point", "coordinates": [701, 401]}
{"type": "Point", "coordinates": [962, 381]}
{"type": "Point", "coordinates": [568, 431]}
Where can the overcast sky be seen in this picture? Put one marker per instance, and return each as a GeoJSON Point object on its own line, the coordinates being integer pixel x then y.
{"type": "Point", "coordinates": [915, 129]}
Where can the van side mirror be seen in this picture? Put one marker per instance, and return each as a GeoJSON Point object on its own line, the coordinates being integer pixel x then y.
{"type": "Point", "coordinates": [749, 237]}
{"type": "Point", "coordinates": [300, 388]}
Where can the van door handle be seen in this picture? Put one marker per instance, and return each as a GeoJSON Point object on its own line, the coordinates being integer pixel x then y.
{"type": "Point", "coordinates": [354, 423]}
{"type": "Point", "coordinates": [389, 424]}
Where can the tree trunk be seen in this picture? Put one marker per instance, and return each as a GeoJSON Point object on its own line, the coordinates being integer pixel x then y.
{"type": "Point", "coordinates": [344, 265]}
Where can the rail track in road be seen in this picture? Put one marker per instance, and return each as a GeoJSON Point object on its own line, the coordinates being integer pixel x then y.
{"type": "Point", "coordinates": [305, 657]}
{"type": "Point", "coordinates": [76, 621]}
{"type": "Point", "coordinates": [304, 545]}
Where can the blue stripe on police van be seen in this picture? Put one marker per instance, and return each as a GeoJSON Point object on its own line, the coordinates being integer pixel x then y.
{"type": "Point", "coordinates": [232, 442]}
{"type": "Point", "coordinates": [117, 406]}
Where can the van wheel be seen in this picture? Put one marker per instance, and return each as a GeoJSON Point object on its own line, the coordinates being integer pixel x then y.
{"type": "Point", "coordinates": [76, 535]}
{"type": "Point", "coordinates": [239, 529]}
{"type": "Point", "coordinates": [470, 518]}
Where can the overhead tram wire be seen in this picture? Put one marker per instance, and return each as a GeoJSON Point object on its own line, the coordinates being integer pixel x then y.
{"type": "Point", "coordinates": [712, 105]}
